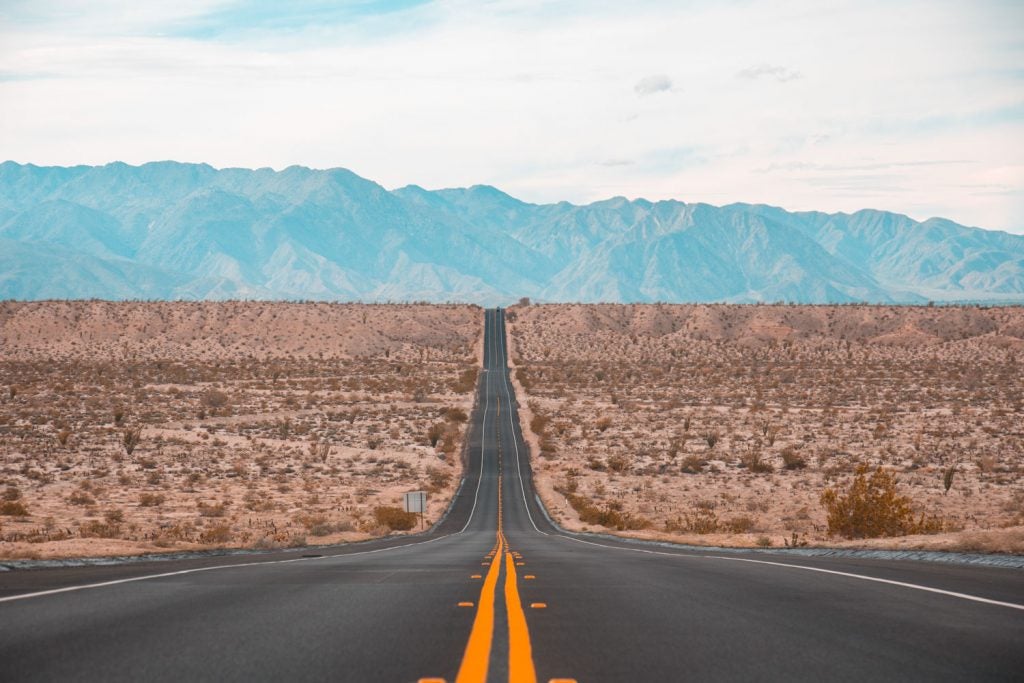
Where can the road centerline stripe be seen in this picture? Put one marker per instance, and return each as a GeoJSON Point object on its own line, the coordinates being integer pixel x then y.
{"type": "Point", "coordinates": [520, 651]}
{"type": "Point", "coordinates": [477, 656]}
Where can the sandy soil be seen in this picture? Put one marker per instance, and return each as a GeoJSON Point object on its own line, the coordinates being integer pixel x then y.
{"type": "Point", "coordinates": [718, 424]}
{"type": "Point", "coordinates": [259, 424]}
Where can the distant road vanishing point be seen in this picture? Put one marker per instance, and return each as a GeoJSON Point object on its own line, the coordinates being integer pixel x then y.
{"type": "Point", "coordinates": [496, 592]}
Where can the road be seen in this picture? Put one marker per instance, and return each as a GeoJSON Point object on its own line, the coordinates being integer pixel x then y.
{"type": "Point", "coordinates": [496, 593]}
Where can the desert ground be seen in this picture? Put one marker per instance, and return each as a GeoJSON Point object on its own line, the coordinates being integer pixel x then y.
{"type": "Point", "coordinates": [724, 424]}
{"type": "Point", "coordinates": [130, 428]}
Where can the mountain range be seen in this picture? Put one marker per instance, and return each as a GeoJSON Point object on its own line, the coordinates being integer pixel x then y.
{"type": "Point", "coordinates": [169, 230]}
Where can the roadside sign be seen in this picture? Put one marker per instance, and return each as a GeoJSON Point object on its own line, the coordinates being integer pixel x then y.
{"type": "Point", "coordinates": [416, 501]}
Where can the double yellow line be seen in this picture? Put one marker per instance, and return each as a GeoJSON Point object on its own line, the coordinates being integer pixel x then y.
{"type": "Point", "coordinates": [476, 659]}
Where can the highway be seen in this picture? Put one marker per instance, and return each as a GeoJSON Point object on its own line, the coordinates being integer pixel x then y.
{"type": "Point", "coordinates": [496, 593]}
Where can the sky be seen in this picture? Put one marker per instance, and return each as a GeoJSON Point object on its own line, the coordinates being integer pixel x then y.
{"type": "Point", "coordinates": [914, 106]}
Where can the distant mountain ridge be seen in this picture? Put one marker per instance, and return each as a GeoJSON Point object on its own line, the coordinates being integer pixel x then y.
{"type": "Point", "coordinates": [169, 230]}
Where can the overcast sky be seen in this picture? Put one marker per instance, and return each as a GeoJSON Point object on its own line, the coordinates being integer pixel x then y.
{"type": "Point", "coordinates": [916, 106]}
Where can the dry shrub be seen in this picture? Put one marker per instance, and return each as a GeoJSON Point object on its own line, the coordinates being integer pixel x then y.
{"type": "Point", "coordinates": [81, 497]}
{"type": "Point", "coordinates": [455, 415]}
{"type": "Point", "coordinates": [98, 529]}
{"type": "Point", "coordinates": [435, 433]}
{"type": "Point", "coordinates": [394, 518]}
{"type": "Point", "coordinates": [741, 525]}
{"type": "Point", "coordinates": [215, 510]}
{"type": "Point", "coordinates": [214, 399]}
{"type": "Point", "coordinates": [219, 533]}
{"type": "Point", "coordinates": [756, 463]}
{"type": "Point", "coordinates": [13, 508]}
{"type": "Point", "coordinates": [148, 500]}
{"type": "Point", "coordinates": [610, 516]}
{"type": "Point", "coordinates": [439, 479]}
{"type": "Point", "coordinates": [872, 507]}
{"type": "Point", "coordinates": [618, 463]}
{"type": "Point", "coordinates": [466, 381]}
{"type": "Point", "coordinates": [792, 459]}
{"type": "Point", "coordinates": [131, 439]}
{"type": "Point", "coordinates": [692, 464]}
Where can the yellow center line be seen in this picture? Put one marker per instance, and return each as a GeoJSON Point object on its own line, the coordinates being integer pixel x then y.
{"type": "Point", "coordinates": [476, 659]}
{"type": "Point", "coordinates": [520, 652]}
{"type": "Point", "coordinates": [478, 648]}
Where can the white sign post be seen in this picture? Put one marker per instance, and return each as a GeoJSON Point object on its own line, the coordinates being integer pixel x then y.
{"type": "Point", "coordinates": [416, 501]}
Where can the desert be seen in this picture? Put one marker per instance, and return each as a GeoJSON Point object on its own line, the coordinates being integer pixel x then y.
{"type": "Point", "coordinates": [144, 427]}
{"type": "Point", "coordinates": [725, 424]}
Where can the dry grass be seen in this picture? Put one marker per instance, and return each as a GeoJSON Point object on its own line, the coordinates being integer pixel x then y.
{"type": "Point", "coordinates": [137, 427]}
{"type": "Point", "coordinates": [756, 410]}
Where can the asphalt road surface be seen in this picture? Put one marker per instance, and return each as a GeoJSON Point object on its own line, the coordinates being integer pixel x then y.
{"type": "Point", "coordinates": [496, 593]}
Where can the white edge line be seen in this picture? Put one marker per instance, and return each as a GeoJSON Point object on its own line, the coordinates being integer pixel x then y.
{"type": "Point", "coordinates": [862, 577]}
{"type": "Point", "coordinates": [68, 589]}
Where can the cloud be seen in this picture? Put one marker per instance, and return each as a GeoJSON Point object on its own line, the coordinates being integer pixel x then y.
{"type": "Point", "coordinates": [617, 162]}
{"type": "Point", "coordinates": [653, 84]}
{"type": "Point", "coordinates": [779, 73]}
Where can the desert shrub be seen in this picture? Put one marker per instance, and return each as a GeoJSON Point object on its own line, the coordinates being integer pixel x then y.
{"type": "Point", "coordinates": [538, 423]}
{"type": "Point", "coordinates": [610, 516]}
{"type": "Point", "coordinates": [394, 518]}
{"type": "Point", "coordinates": [871, 507]}
{"type": "Point", "coordinates": [466, 381]}
{"type": "Point", "coordinates": [149, 500]}
{"type": "Point", "coordinates": [455, 415]}
{"type": "Point", "coordinates": [98, 529]}
{"type": "Point", "coordinates": [13, 508]}
{"type": "Point", "coordinates": [692, 464]}
{"type": "Point", "coordinates": [212, 398]}
{"type": "Point", "coordinates": [711, 438]}
{"type": "Point", "coordinates": [603, 423]}
{"type": "Point", "coordinates": [702, 518]}
{"type": "Point", "coordinates": [756, 463]}
{"type": "Point", "coordinates": [617, 462]}
{"type": "Point", "coordinates": [219, 533]}
{"type": "Point", "coordinates": [435, 432]}
{"type": "Point", "coordinates": [438, 478]}
{"type": "Point", "coordinates": [792, 459]}
{"type": "Point", "coordinates": [131, 439]}
{"type": "Point", "coordinates": [81, 497]}
{"type": "Point", "coordinates": [740, 525]}
{"type": "Point", "coordinates": [215, 510]}
{"type": "Point", "coordinates": [63, 435]}
{"type": "Point", "coordinates": [12, 493]}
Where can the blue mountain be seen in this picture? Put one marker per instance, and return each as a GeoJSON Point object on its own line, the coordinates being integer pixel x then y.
{"type": "Point", "coordinates": [170, 230]}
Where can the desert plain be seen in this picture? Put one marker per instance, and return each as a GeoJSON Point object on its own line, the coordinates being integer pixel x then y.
{"type": "Point", "coordinates": [153, 427]}
{"type": "Point", "coordinates": [129, 428]}
{"type": "Point", "coordinates": [725, 424]}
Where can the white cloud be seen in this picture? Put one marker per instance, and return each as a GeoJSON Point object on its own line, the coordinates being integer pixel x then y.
{"type": "Point", "coordinates": [778, 73]}
{"type": "Point", "coordinates": [532, 96]}
{"type": "Point", "coordinates": [653, 84]}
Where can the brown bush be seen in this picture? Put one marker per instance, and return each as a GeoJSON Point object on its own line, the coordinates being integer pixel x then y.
{"type": "Point", "coordinates": [872, 507]}
{"type": "Point", "coordinates": [792, 459]}
{"type": "Point", "coordinates": [148, 500]}
{"type": "Point", "coordinates": [219, 533]}
{"type": "Point", "coordinates": [394, 518]}
{"type": "Point", "coordinates": [692, 464]}
{"type": "Point", "coordinates": [13, 508]}
{"type": "Point", "coordinates": [131, 439]}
